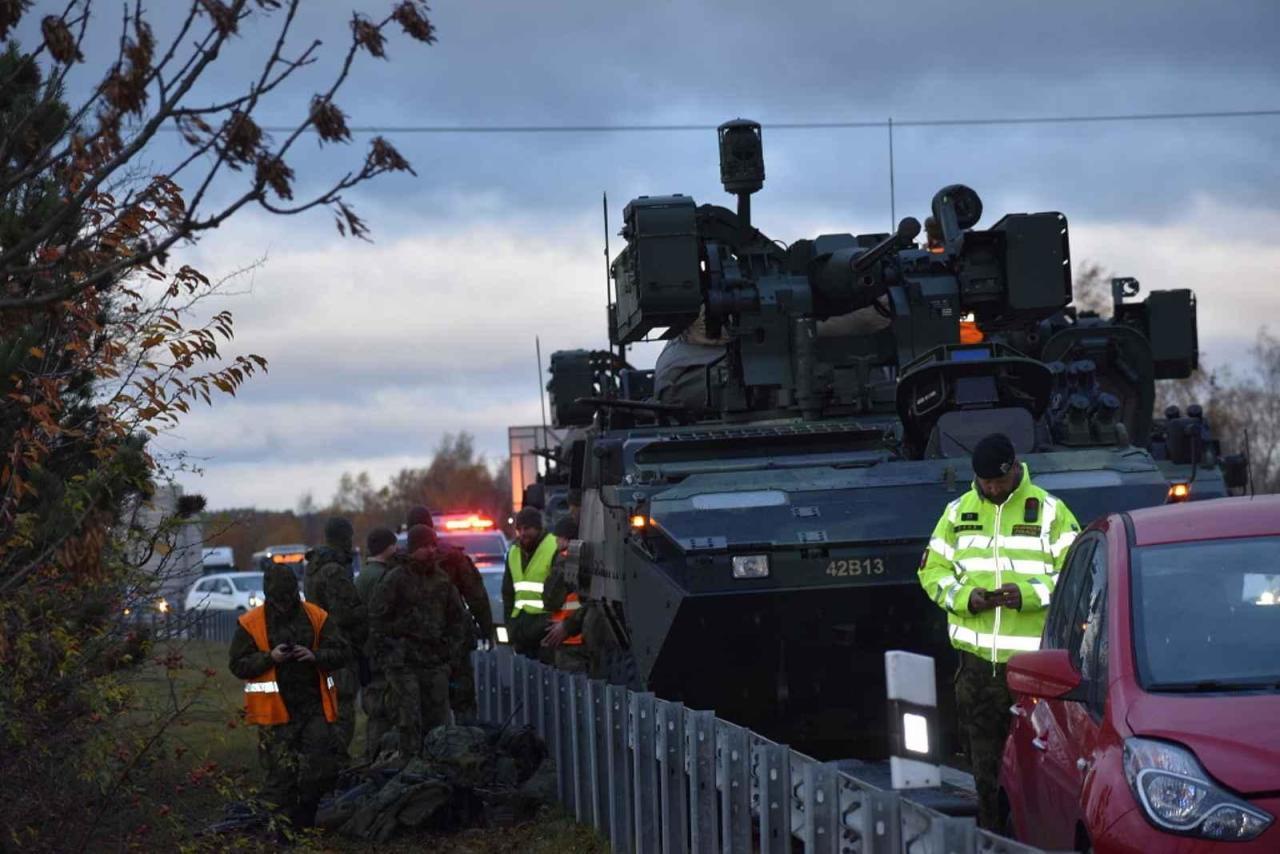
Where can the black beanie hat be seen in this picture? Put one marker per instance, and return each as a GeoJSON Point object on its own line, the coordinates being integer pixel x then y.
{"type": "Point", "coordinates": [418, 515]}
{"type": "Point", "coordinates": [994, 456]}
{"type": "Point", "coordinates": [338, 532]}
{"type": "Point", "coordinates": [529, 517]}
{"type": "Point", "coordinates": [566, 528]}
{"type": "Point", "coordinates": [379, 540]}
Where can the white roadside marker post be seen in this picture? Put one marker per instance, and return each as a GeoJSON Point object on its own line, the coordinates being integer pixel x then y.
{"type": "Point", "coordinates": [913, 720]}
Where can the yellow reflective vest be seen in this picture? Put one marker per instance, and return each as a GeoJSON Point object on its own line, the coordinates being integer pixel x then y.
{"type": "Point", "coordinates": [528, 581]}
{"type": "Point", "coordinates": [978, 544]}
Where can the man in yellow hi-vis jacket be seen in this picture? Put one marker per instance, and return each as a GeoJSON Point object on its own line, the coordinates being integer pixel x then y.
{"type": "Point", "coordinates": [992, 564]}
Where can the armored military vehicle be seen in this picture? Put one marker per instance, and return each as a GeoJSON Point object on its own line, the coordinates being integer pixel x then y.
{"type": "Point", "coordinates": [753, 516]}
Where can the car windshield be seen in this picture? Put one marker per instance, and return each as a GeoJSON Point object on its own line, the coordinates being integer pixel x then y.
{"type": "Point", "coordinates": [247, 583]}
{"type": "Point", "coordinates": [488, 548]}
{"type": "Point", "coordinates": [1207, 615]}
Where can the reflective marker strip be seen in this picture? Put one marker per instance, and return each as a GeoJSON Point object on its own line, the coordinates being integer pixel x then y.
{"type": "Point", "coordinates": [981, 639]}
{"type": "Point", "coordinates": [571, 606]}
{"type": "Point", "coordinates": [1031, 567]}
{"type": "Point", "coordinates": [1042, 591]}
{"type": "Point", "coordinates": [531, 605]}
{"type": "Point", "coordinates": [329, 680]}
{"type": "Point", "coordinates": [528, 586]}
{"type": "Point", "coordinates": [943, 549]}
{"type": "Point", "coordinates": [973, 541]}
{"type": "Point", "coordinates": [1030, 544]}
{"type": "Point", "coordinates": [1063, 543]}
{"type": "Point", "coordinates": [262, 687]}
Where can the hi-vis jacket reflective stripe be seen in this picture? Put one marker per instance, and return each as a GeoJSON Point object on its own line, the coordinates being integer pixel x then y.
{"type": "Point", "coordinates": [528, 581]}
{"type": "Point", "coordinates": [262, 701]}
{"type": "Point", "coordinates": [978, 544]}
{"type": "Point", "coordinates": [571, 604]}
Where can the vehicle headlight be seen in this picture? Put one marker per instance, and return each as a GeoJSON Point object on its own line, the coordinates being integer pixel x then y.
{"type": "Point", "coordinates": [162, 605]}
{"type": "Point", "coordinates": [750, 566]}
{"type": "Point", "coordinates": [255, 600]}
{"type": "Point", "coordinates": [502, 634]}
{"type": "Point", "coordinates": [1176, 793]}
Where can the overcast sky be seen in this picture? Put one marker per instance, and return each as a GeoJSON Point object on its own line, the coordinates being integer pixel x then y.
{"type": "Point", "coordinates": [378, 349]}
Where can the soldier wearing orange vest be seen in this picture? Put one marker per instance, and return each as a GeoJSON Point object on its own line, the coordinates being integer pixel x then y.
{"type": "Point", "coordinates": [561, 600]}
{"type": "Point", "coordinates": [285, 653]}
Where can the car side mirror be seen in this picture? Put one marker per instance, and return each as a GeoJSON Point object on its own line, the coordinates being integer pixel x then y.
{"type": "Point", "coordinates": [1046, 673]}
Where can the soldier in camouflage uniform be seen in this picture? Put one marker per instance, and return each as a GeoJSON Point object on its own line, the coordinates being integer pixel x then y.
{"type": "Point", "coordinates": [462, 572]}
{"type": "Point", "coordinates": [566, 623]}
{"type": "Point", "coordinates": [380, 545]}
{"type": "Point", "coordinates": [416, 625]}
{"type": "Point", "coordinates": [328, 583]}
{"type": "Point", "coordinates": [297, 745]}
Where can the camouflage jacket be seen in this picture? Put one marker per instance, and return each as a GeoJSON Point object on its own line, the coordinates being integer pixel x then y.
{"type": "Point", "coordinates": [416, 618]}
{"type": "Point", "coordinates": [328, 583]}
{"type": "Point", "coordinates": [466, 578]}
{"type": "Point", "coordinates": [554, 594]}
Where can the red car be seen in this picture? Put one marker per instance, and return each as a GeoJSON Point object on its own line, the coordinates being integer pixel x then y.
{"type": "Point", "coordinates": [1149, 720]}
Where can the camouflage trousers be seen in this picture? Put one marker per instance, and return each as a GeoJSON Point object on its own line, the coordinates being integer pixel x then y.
{"type": "Point", "coordinates": [378, 704]}
{"type": "Point", "coordinates": [982, 702]}
{"type": "Point", "coordinates": [573, 658]}
{"type": "Point", "coordinates": [347, 683]}
{"type": "Point", "coordinates": [462, 688]}
{"type": "Point", "coordinates": [420, 698]}
{"type": "Point", "coordinates": [301, 759]}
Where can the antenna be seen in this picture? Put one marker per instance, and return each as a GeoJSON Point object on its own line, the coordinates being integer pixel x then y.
{"type": "Point", "coordinates": [542, 400]}
{"type": "Point", "coordinates": [608, 278]}
{"type": "Point", "coordinates": [893, 195]}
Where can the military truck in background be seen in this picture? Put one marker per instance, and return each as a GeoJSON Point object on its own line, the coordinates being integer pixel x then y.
{"type": "Point", "coordinates": [755, 537]}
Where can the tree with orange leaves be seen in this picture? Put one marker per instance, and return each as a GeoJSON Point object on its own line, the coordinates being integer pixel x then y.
{"type": "Point", "coordinates": [97, 353]}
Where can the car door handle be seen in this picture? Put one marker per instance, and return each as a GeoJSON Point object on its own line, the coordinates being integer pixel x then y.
{"type": "Point", "coordinates": [1039, 744]}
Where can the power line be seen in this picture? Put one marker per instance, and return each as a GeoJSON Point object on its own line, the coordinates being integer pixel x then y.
{"type": "Point", "coordinates": [806, 126]}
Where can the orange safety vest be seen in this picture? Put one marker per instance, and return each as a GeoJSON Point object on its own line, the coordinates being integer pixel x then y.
{"type": "Point", "coordinates": [263, 704]}
{"type": "Point", "coordinates": [571, 604]}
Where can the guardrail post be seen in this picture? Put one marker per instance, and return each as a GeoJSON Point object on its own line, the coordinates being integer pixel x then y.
{"type": "Point", "coordinates": [505, 665]}
{"type": "Point", "coordinates": [598, 742]}
{"type": "Point", "coordinates": [882, 822]}
{"type": "Point", "coordinates": [519, 665]}
{"type": "Point", "coordinates": [581, 743]}
{"type": "Point", "coordinates": [674, 791]}
{"type": "Point", "coordinates": [616, 714]}
{"type": "Point", "coordinates": [735, 787]}
{"type": "Point", "coordinates": [547, 706]}
{"type": "Point", "coordinates": [821, 803]}
{"type": "Point", "coordinates": [479, 668]}
{"type": "Point", "coordinates": [951, 835]}
{"type": "Point", "coordinates": [774, 772]}
{"type": "Point", "coordinates": [700, 757]}
{"type": "Point", "coordinates": [564, 737]}
{"type": "Point", "coordinates": [646, 816]}
{"type": "Point", "coordinates": [527, 692]}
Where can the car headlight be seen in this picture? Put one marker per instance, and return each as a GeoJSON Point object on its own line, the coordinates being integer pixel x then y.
{"type": "Point", "coordinates": [162, 605]}
{"type": "Point", "coordinates": [750, 566]}
{"type": "Point", "coordinates": [1176, 794]}
{"type": "Point", "coordinates": [502, 634]}
{"type": "Point", "coordinates": [255, 600]}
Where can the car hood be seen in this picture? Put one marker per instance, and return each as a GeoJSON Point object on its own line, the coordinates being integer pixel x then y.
{"type": "Point", "coordinates": [1235, 737]}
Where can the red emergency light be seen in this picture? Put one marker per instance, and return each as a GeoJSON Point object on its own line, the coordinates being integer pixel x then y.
{"type": "Point", "coordinates": [474, 522]}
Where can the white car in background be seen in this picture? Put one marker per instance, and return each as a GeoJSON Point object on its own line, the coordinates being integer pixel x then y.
{"type": "Point", "coordinates": [226, 591]}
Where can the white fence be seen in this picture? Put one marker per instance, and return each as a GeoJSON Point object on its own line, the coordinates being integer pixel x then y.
{"type": "Point", "coordinates": [653, 776]}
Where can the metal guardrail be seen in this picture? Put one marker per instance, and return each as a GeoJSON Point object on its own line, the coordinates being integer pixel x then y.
{"type": "Point", "coordinates": [653, 776]}
{"type": "Point", "coordinates": [205, 624]}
